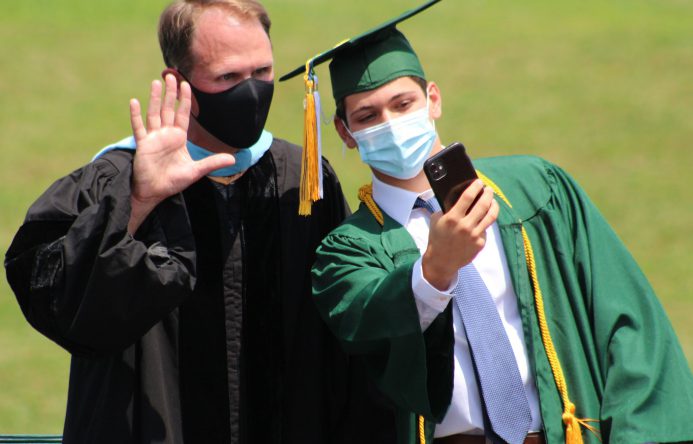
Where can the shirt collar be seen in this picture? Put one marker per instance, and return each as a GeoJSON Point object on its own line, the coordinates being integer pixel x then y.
{"type": "Point", "coordinates": [397, 202]}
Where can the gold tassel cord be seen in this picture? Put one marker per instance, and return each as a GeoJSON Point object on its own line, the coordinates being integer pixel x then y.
{"type": "Point", "coordinates": [573, 432]}
{"type": "Point", "coordinates": [366, 196]}
{"type": "Point", "coordinates": [496, 189]}
{"type": "Point", "coordinates": [309, 190]}
{"type": "Point", "coordinates": [422, 430]}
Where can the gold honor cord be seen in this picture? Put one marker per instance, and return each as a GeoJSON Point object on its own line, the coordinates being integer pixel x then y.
{"type": "Point", "coordinates": [573, 434]}
{"type": "Point", "coordinates": [422, 430]}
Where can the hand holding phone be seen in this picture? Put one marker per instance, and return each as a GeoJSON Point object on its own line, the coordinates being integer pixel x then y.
{"type": "Point", "coordinates": [455, 238]}
{"type": "Point", "coordinates": [449, 173]}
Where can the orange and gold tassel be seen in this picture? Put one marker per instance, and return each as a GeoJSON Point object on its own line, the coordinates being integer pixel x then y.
{"type": "Point", "coordinates": [311, 166]}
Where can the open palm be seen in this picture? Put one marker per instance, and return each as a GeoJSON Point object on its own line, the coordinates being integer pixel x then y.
{"type": "Point", "coordinates": [162, 165]}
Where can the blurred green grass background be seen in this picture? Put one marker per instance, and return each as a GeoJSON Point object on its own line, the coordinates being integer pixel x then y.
{"type": "Point", "coordinates": [605, 89]}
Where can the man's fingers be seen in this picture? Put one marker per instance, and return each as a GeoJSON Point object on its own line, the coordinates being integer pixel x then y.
{"type": "Point", "coordinates": [138, 130]}
{"type": "Point", "coordinates": [168, 111]}
{"type": "Point", "coordinates": [211, 163]}
{"type": "Point", "coordinates": [154, 108]}
{"type": "Point", "coordinates": [183, 112]}
{"type": "Point", "coordinates": [459, 210]}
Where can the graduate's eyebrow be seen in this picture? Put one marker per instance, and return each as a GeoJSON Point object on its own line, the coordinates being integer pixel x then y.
{"type": "Point", "coordinates": [394, 98]}
{"type": "Point", "coordinates": [399, 96]}
{"type": "Point", "coordinates": [360, 110]}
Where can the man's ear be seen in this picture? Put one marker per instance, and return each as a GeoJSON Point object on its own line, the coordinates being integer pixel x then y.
{"type": "Point", "coordinates": [195, 110]}
{"type": "Point", "coordinates": [174, 72]}
{"type": "Point", "coordinates": [435, 100]}
{"type": "Point", "coordinates": [344, 133]}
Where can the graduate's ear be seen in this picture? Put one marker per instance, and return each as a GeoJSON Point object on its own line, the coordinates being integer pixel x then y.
{"type": "Point", "coordinates": [344, 133]}
{"type": "Point", "coordinates": [435, 100]}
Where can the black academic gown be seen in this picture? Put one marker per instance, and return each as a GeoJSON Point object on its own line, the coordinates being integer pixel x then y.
{"type": "Point", "coordinates": [200, 328]}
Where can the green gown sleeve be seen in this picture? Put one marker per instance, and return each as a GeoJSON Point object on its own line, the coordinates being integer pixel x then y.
{"type": "Point", "coordinates": [647, 384]}
{"type": "Point", "coordinates": [365, 297]}
{"type": "Point", "coordinates": [622, 361]}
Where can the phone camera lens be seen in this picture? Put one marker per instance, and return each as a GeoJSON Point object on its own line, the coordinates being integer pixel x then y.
{"type": "Point", "coordinates": [437, 171]}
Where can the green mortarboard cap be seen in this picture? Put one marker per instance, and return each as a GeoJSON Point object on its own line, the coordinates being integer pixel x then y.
{"type": "Point", "coordinates": [359, 64]}
{"type": "Point", "coordinates": [369, 60]}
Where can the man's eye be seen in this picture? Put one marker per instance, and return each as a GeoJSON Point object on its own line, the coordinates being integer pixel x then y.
{"type": "Point", "coordinates": [403, 105]}
{"type": "Point", "coordinates": [229, 76]}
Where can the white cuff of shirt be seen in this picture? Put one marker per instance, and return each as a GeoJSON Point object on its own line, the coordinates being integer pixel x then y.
{"type": "Point", "coordinates": [430, 302]}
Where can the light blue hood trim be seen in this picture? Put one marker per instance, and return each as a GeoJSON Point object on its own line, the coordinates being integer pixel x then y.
{"type": "Point", "coordinates": [245, 158]}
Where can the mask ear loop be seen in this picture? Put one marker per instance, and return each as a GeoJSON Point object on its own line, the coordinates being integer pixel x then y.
{"type": "Point", "coordinates": [344, 146]}
{"type": "Point", "coordinates": [428, 107]}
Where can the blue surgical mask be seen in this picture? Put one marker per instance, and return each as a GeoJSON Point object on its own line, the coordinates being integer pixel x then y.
{"type": "Point", "coordinates": [399, 146]}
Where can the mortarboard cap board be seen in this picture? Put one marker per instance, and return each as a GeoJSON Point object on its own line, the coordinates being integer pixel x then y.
{"type": "Point", "coordinates": [362, 63]}
{"type": "Point", "coordinates": [369, 60]}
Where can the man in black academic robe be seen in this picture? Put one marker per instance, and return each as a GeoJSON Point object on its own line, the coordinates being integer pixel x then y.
{"type": "Point", "coordinates": [191, 320]}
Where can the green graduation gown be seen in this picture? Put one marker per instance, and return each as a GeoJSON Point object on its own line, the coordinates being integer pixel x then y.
{"type": "Point", "coordinates": [620, 356]}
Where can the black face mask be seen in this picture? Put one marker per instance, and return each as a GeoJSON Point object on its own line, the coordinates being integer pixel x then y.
{"type": "Point", "coordinates": [236, 116]}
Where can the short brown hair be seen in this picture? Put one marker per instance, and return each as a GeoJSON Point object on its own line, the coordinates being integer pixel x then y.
{"type": "Point", "coordinates": [340, 110]}
{"type": "Point", "coordinates": [177, 24]}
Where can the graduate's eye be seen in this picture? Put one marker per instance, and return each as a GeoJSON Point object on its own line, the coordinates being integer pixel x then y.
{"type": "Point", "coordinates": [365, 118]}
{"type": "Point", "coordinates": [403, 105]}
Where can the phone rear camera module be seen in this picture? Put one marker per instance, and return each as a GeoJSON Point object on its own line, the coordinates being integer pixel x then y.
{"type": "Point", "coordinates": [438, 171]}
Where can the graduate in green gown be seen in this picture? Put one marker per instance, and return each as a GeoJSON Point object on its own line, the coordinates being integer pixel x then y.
{"type": "Point", "coordinates": [598, 356]}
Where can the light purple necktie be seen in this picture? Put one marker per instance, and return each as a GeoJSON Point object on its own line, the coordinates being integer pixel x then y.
{"type": "Point", "coordinates": [498, 377]}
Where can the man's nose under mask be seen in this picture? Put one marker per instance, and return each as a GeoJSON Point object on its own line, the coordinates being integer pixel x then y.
{"type": "Point", "coordinates": [238, 115]}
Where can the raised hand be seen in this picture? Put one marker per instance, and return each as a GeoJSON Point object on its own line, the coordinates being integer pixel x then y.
{"type": "Point", "coordinates": [456, 237]}
{"type": "Point", "coordinates": [162, 166]}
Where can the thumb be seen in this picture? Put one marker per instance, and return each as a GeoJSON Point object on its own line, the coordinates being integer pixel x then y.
{"type": "Point", "coordinates": [211, 163]}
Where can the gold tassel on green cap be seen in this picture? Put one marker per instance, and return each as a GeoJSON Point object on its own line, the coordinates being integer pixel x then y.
{"type": "Point", "coordinates": [361, 63]}
{"type": "Point", "coordinates": [311, 166]}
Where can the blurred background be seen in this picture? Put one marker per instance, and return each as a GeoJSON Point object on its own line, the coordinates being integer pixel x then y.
{"type": "Point", "coordinates": [605, 89]}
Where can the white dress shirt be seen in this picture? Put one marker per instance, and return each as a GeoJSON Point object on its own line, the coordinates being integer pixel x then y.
{"type": "Point", "coordinates": [464, 414]}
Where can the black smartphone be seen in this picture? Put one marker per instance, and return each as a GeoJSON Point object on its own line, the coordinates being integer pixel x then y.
{"type": "Point", "coordinates": [450, 172]}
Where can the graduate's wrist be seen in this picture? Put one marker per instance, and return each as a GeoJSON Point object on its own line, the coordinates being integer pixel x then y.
{"type": "Point", "coordinates": [437, 274]}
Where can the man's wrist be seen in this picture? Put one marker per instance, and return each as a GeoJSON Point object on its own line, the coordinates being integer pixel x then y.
{"type": "Point", "coordinates": [139, 210]}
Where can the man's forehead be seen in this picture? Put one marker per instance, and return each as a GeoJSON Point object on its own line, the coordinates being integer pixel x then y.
{"type": "Point", "coordinates": [223, 38]}
{"type": "Point", "coordinates": [225, 28]}
{"type": "Point", "coordinates": [220, 15]}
